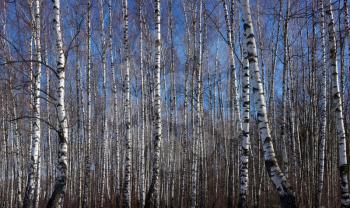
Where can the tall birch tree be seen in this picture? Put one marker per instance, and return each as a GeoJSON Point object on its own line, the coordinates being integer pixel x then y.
{"type": "Point", "coordinates": [286, 195]}
{"type": "Point", "coordinates": [87, 171]}
{"type": "Point", "coordinates": [152, 197]}
{"type": "Point", "coordinates": [127, 109]}
{"type": "Point", "coordinates": [57, 196]}
{"type": "Point", "coordinates": [323, 112]}
{"type": "Point", "coordinates": [30, 198]}
{"type": "Point", "coordinates": [143, 123]}
{"type": "Point", "coordinates": [245, 140]}
{"type": "Point", "coordinates": [337, 108]}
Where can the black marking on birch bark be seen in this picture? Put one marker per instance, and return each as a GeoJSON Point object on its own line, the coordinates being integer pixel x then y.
{"type": "Point", "coordinates": [267, 139]}
{"type": "Point", "coordinates": [251, 35]}
{"type": "Point", "coordinates": [344, 169]}
{"type": "Point", "coordinates": [246, 26]}
{"type": "Point", "coordinates": [252, 59]}
{"type": "Point", "coordinates": [246, 134]}
{"type": "Point", "coordinates": [249, 43]}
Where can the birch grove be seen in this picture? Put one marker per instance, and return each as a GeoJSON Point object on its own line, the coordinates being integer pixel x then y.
{"type": "Point", "coordinates": [174, 103]}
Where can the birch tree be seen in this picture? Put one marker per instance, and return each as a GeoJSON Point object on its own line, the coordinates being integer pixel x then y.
{"type": "Point", "coordinates": [57, 196]}
{"type": "Point", "coordinates": [236, 124]}
{"type": "Point", "coordinates": [245, 141]}
{"type": "Point", "coordinates": [128, 162]}
{"type": "Point", "coordinates": [198, 118]}
{"type": "Point", "coordinates": [287, 197]}
{"type": "Point", "coordinates": [104, 113]}
{"type": "Point", "coordinates": [284, 93]}
{"type": "Point", "coordinates": [152, 197]}
{"type": "Point", "coordinates": [30, 198]}
{"type": "Point", "coordinates": [142, 139]}
{"type": "Point", "coordinates": [115, 101]}
{"type": "Point", "coordinates": [323, 124]}
{"type": "Point", "coordinates": [87, 174]}
{"type": "Point", "coordinates": [207, 69]}
{"type": "Point", "coordinates": [18, 160]}
{"type": "Point", "coordinates": [337, 108]}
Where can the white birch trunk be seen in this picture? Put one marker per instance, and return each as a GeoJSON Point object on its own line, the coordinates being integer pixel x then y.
{"type": "Point", "coordinates": [57, 196]}
{"type": "Point", "coordinates": [49, 143]}
{"type": "Point", "coordinates": [104, 108]}
{"type": "Point", "coordinates": [323, 111]}
{"type": "Point", "coordinates": [87, 172]}
{"type": "Point", "coordinates": [287, 197]}
{"type": "Point", "coordinates": [142, 139]}
{"type": "Point", "coordinates": [197, 137]}
{"type": "Point", "coordinates": [172, 119]}
{"type": "Point", "coordinates": [31, 195]}
{"type": "Point", "coordinates": [245, 140]}
{"type": "Point", "coordinates": [79, 132]}
{"type": "Point", "coordinates": [235, 118]}
{"type": "Point", "coordinates": [185, 111]}
{"type": "Point", "coordinates": [115, 104]}
{"type": "Point", "coordinates": [18, 167]}
{"type": "Point", "coordinates": [152, 197]}
{"type": "Point", "coordinates": [127, 111]}
{"type": "Point", "coordinates": [337, 107]}
{"type": "Point", "coordinates": [285, 94]}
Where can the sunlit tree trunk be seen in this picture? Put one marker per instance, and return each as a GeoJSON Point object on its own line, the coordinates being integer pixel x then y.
{"type": "Point", "coordinates": [79, 132]}
{"type": "Point", "coordinates": [127, 109]}
{"type": "Point", "coordinates": [287, 197]}
{"type": "Point", "coordinates": [104, 179]}
{"type": "Point", "coordinates": [48, 117]}
{"type": "Point", "coordinates": [31, 196]}
{"type": "Point", "coordinates": [217, 94]}
{"type": "Point", "coordinates": [18, 167]}
{"type": "Point", "coordinates": [323, 112]}
{"type": "Point", "coordinates": [142, 139]}
{"type": "Point", "coordinates": [194, 165]}
{"type": "Point", "coordinates": [285, 94]}
{"type": "Point", "coordinates": [292, 121]}
{"type": "Point", "coordinates": [57, 196]}
{"type": "Point", "coordinates": [152, 197]}
{"type": "Point", "coordinates": [115, 107]}
{"type": "Point", "coordinates": [185, 111]}
{"type": "Point", "coordinates": [198, 118]}
{"type": "Point", "coordinates": [338, 110]}
{"type": "Point", "coordinates": [235, 118]}
{"type": "Point", "coordinates": [172, 119]}
{"type": "Point", "coordinates": [245, 140]}
{"type": "Point", "coordinates": [87, 171]}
